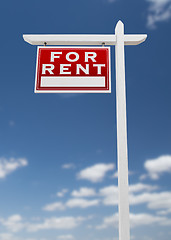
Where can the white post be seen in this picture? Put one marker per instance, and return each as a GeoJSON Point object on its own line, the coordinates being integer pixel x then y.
{"type": "Point", "coordinates": [124, 226]}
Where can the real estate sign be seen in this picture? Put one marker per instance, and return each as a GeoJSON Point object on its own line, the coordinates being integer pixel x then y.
{"type": "Point", "coordinates": [73, 69]}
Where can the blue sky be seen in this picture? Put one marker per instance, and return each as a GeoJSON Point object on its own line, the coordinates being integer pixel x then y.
{"type": "Point", "coordinates": [58, 164]}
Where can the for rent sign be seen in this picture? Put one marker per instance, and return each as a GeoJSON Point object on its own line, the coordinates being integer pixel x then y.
{"type": "Point", "coordinates": [71, 69]}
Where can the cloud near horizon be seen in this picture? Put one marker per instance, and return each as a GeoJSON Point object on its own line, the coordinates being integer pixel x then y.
{"type": "Point", "coordinates": [8, 166]}
{"type": "Point", "coordinates": [66, 237]}
{"type": "Point", "coordinates": [140, 219]}
{"type": "Point", "coordinates": [16, 223]}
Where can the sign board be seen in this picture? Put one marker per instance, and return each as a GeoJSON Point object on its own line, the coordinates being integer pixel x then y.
{"type": "Point", "coordinates": [73, 69]}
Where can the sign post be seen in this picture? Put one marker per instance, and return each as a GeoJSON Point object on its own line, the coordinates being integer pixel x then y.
{"type": "Point", "coordinates": [119, 40]}
{"type": "Point", "coordinates": [124, 228]}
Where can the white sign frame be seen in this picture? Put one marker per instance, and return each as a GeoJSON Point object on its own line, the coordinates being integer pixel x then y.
{"type": "Point", "coordinates": [73, 91]}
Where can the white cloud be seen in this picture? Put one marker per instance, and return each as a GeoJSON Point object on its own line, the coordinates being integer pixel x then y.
{"type": "Point", "coordinates": [10, 236]}
{"type": "Point", "coordinates": [82, 203]}
{"type": "Point", "coordinates": [141, 187]}
{"type": "Point", "coordinates": [164, 212]}
{"type": "Point", "coordinates": [160, 201]}
{"type": "Point", "coordinates": [56, 223]}
{"type": "Point", "coordinates": [13, 223]}
{"type": "Point", "coordinates": [95, 173]}
{"type": "Point", "coordinates": [6, 236]}
{"type": "Point", "coordinates": [89, 226]}
{"type": "Point", "coordinates": [68, 166]}
{"type": "Point", "coordinates": [71, 203]}
{"type": "Point", "coordinates": [62, 193]}
{"type": "Point", "coordinates": [111, 221]}
{"type": "Point", "coordinates": [65, 237]}
{"type": "Point", "coordinates": [145, 219]}
{"type": "Point", "coordinates": [84, 192]}
{"type": "Point", "coordinates": [154, 201]}
{"type": "Point", "coordinates": [143, 176]}
{"type": "Point", "coordinates": [135, 220]}
{"type": "Point", "coordinates": [110, 193]}
{"type": "Point", "coordinates": [140, 198]}
{"type": "Point", "coordinates": [54, 206]}
{"type": "Point", "coordinates": [33, 239]}
{"type": "Point", "coordinates": [8, 166]}
{"type": "Point", "coordinates": [158, 11]}
{"type": "Point", "coordinates": [156, 167]}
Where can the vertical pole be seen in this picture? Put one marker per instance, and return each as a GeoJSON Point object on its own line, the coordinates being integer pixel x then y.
{"type": "Point", "coordinates": [124, 228]}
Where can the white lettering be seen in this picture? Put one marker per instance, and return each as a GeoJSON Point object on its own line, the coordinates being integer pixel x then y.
{"type": "Point", "coordinates": [64, 68]}
{"type": "Point", "coordinates": [90, 55]}
{"type": "Point", "coordinates": [99, 67]}
{"type": "Point", "coordinates": [72, 60]}
{"type": "Point", "coordinates": [85, 70]}
{"type": "Point", "coordinates": [47, 67]}
{"type": "Point", "coordinates": [55, 55]}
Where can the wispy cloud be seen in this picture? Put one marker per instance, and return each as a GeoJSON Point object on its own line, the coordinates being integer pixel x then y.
{"type": "Point", "coordinates": [71, 203]}
{"type": "Point", "coordinates": [66, 237]}
{"type": "Point", "coordinates": [110, 194]}
{"type": "Point", "coordinates": [56, 223]}
{"type": "Point", "coordinates": [134, 188]}
{"type": "Point", "coordinates": [82, 203]}
{"type": "Point", "coordinates": [95, 173]}
{"type": "Point", "coordinates": [54, 206]}
{"type": "Point", "coordinates": [156, 167]}
{"type": "Point", "coordinates": [140, 194]}
{"type": "Point", "coordinates": [16, 223]}
{"type": "Point", "coordinates": [11, 236]}
{"type": "Point", "coordinates": [68, 166]}
{"type": "Point", "coordinates": [62, 193]}
{"type": "Point", "coordinates": [84, 192]}
{"type": "Point", "coordinates": [6, 236]}
{"type": "Point", "coordinates": [8, 166]}
{"type": "Point", "coordinates": [135, 220]}
{"type": "Point", "coordinates": [158, 11]}
{"type": "Point", "coordinates": [13, 223]}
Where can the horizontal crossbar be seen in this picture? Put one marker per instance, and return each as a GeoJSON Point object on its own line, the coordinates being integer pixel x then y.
{"type": "Point", "coordinates": [83, 39]}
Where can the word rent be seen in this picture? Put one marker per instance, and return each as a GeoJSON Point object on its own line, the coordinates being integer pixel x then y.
{"type": "Point", "coordinates": [73, 69]}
